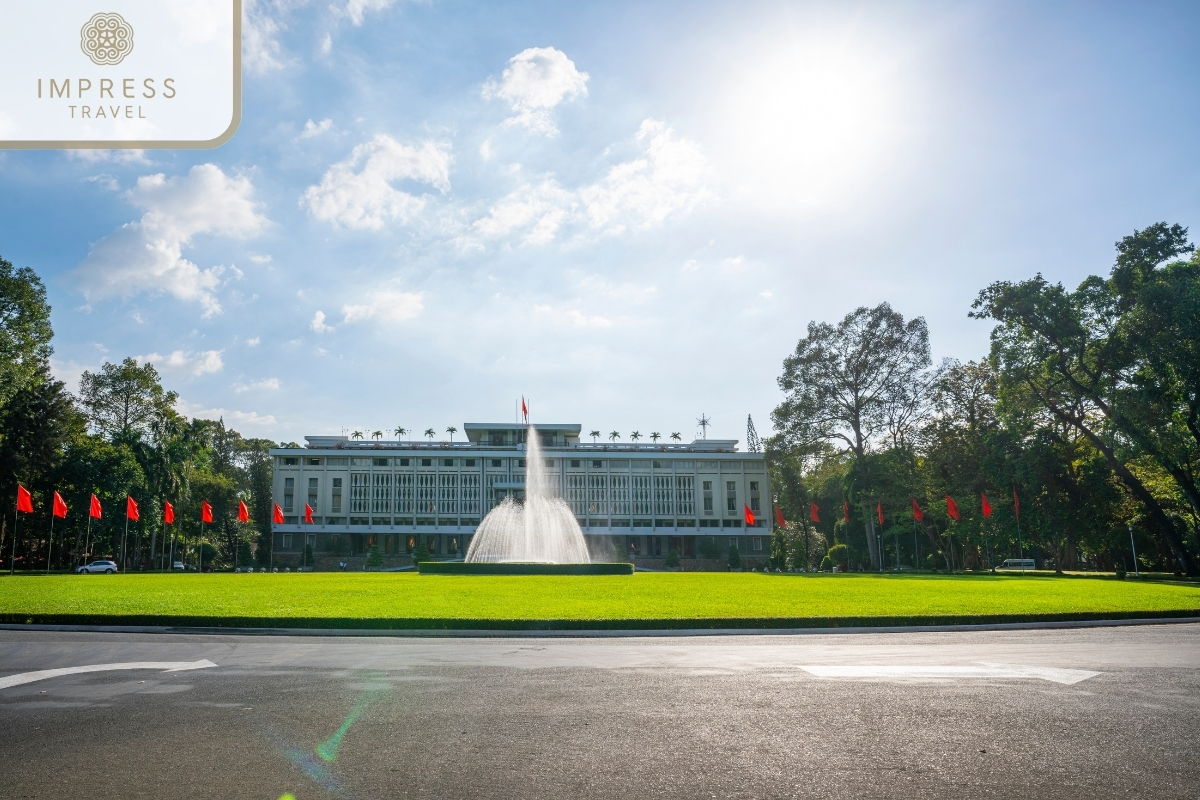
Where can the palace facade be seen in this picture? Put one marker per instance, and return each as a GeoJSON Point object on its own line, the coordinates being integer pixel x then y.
{"type": "Point", "coordinates": [646, 498]}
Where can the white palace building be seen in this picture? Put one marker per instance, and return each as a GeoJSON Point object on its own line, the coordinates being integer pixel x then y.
{"type": "Point", "coordinates": [648, 498]}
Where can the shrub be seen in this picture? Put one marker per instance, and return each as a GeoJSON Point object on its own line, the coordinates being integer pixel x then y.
{"type": "Point", "coordinates": [421, 553]}
{"type": "Point", "coordinates": [245, 557]}
{"type": "Point", "coordinates": [672, 558]}
{"type": "Point", "coordinates": [839, 554]}
{"type": "Point", "coordinates": [308, 559]}
{"type": "Point", "coordinates": [735, 558]}
{"type": "Point", "coordinates": [826, 564]}
{"type": "Point", "coordinates": [375, 558]}
{"type": "Point", "coordinates": [620, 553]}
{"type": "Point", "coordinates": [709, 547]}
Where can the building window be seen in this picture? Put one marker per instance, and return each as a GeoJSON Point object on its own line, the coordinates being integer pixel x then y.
{"type": "Point", "coordinates": [312, 492]}
{"type": "Point", "coordinates": [521, 463]}
{"type": "Point", "coordinates": [469, 494]}
{"type": "Point", "coordinates": [708, 497]}
{"type": "Point", "coordinates": [380, 462]}
{"type": "Point", "coordinates": [497, 440]}
{"type": "Point", "coordinates": [312, 462]}
{"type": "Point", "coordinates": [642, 496]}
{"type": "Point", "coordinates": [447, 494]}
{"type": "Point", "coordinates": [426, 462]}
{"type": "Point", "coordinates": [575, 463]}
{"type": "Point", "coordinates": [597, 465]}
{"type": "Point", "coordinates": [733, 542]}
{"type": "Point", "coordinates": [754, 498]}
{"type": "Point", "coordinates": [731, 496]}
{"type": "Point", "coordinates": [426, 493]}
{"type": "Point", "coordinates": [597, 495]}
{"type": "Point", "coordinates": [403, 462]}
{"type": "Point", "coordinates": [290, 462]}
{"type": "Point", "coordinates": [470, 462]}
{"type": "Point", "coordinates": [663, 494]}
{"type": "Point", "coordinates": [360, 493]}
{"type": "Point", "coordinates": [381, 493]}
{"type": "Point", "coordinates": [497, 463]}
{"type": "Point", "coordinates": [287, 541]}
{"type": "Point", "coordinates": [618, 495]}
{"type": "Point", "coordinates": [757, 542]}
{"type": "Point", "coordinates": [404, 494]}
{"type": "Point", "coordinates": [336, 498]}
{"type": "Point", "coordinates": [289, 491]}
{"type": "Point", "coordinates": [337, 462]}
{"type": "Point", "coordinates": [447, 462]}
{"type": "Point", "coordinates": [685, 495]}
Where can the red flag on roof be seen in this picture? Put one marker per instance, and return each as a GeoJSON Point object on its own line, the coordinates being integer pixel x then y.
{"type": "Point", "coordinates": [779, 520]}
{"type": "Point", "coordinates": [24, 500]}
{"type": "Point", "coordinates": [987, 507]}
{"type": "Point", "coordinates": [131, 509]}
{"type": "Point", "coordinates": [749, 516]}
{"type": "Point", "coordinates": [879, 511]}
{"type": "Point", "coordinates": [168, 513]}
{"type": "Point", "coordinates": [918, 514]}
{"type": "Point", "coordinates": [278, 514]}
{"type": "Point", "coordinates": [813, 512]}
{"type": "Point", "coordinates": [524, 409]}
{"type": "Point", "coordinates": [1016, 503]}
{"type": "Point", "coordinates": [308, 512]}
{"type": "Point", "coordinates": [243, 512]}
{"type": "Point", "coordinates": [205, 511]}
{"type": "Point", "coordinates": [60, 506]}
{"type": "Point", "coordinates": [952, 508]}
{"type": "Point", "coordinates": [846, 511]}
{"type": "Point", "coordinates": [94, 508]}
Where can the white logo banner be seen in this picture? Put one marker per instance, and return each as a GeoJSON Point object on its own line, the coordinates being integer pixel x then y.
{"type": "Point", "coordinates": [120, 73]}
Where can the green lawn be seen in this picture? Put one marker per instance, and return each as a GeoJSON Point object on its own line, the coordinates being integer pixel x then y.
{"type": "Point", "coordinates": [697, 599]}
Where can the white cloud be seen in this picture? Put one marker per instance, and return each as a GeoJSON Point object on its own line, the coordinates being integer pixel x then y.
{"type": "Point", "coordinates": [254, 342]}
{"type": "Point", "coordinates": [201, 363]}
{"type": "Point", "coordinates": [735, 264]}
{"type": "Point", "coordinates": [365, 199]}
{"type": "Point", "coordinates": [766, 295]}
{"type": "Point", "coordinates": [326, 44]}
{"type": "Point", "coordinates": [105, 181]}
{"type": "Point", "coordinates": [262, 22]}
{"type": "Point", "coordinates": [318, 323]}
{"type": "Point", "coordinates": [386, 304]}
{"type": "Point", "coordinates": [539, 211]}
{"type": "Point", "coordinates": [137, 157]}
{"type": "Point", "coordinates": [535, 81]}
{"type": "Point", "coordinates": [669, 178]}
{"type": "Point", "coordinates": [260, 259]}
{"type": "Point", "coordinates": [594, 285]}
{"type": "Point", "coordinates": [691, 265]}
{"type": "Point", "coordinates": [251, 419]}
{"type": "Point", "coordinates": [312, 129]}
{"type": "Point", "coordinates": [356, 10]}
{"type": "Point", "coordinates": [147, 255]}
{"type": "Point", "coordinates": [573, 317]}
{"type": "Point", "coordinates": [270, 384]}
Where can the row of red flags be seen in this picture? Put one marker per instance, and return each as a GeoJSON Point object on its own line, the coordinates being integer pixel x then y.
{"type": "Point", "coordinates": [918, 514]}
{"type": "Point", "coordinates": [25, 504]}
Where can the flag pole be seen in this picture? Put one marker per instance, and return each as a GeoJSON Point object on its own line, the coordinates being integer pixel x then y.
{"type": "Point", "coordinates": [124, 541]}
{"type": "Point", "coordinates": [50, 549]}
{"type": "Point", "coordinates": [12, 563]}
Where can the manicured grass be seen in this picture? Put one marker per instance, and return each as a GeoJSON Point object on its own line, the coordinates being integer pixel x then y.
{"type": "Point", "coordinates": [643, 600]}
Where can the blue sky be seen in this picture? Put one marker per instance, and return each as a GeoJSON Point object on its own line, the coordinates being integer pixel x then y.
{"type": "Point", "coordinates": [627, 212]}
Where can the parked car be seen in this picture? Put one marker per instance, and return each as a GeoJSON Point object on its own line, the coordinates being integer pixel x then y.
{"type": "Point", "coordinates": [108, 567]}
{"type": "Point", "coordinates": [177, 565]}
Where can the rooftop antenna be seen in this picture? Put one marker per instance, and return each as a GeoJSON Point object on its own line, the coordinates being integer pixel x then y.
{"type": "Point", "coordinates": [704, 422]}
{"type": "Point", "coordinates": [753, 443]}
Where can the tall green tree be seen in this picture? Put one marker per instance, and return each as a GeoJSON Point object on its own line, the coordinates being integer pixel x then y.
{"type": "Point", "coordinates": [25, 330]}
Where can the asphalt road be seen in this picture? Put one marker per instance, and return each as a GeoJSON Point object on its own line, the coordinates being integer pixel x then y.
{"type": "Point", "coordinates": [1087, 713]}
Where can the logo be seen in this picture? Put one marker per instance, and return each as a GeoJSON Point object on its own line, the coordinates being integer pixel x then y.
{"type": "Point", "coordinates": [106, 39]}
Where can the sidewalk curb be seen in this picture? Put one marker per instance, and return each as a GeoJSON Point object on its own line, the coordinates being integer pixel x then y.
{"type": "Point", "coordinates": [466, 633]}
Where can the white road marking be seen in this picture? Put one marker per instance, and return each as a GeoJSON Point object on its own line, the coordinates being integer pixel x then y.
{"type": "Point", "coordinates": [918, 671]}
{"type": "Point", "coordinates": [41, 675]}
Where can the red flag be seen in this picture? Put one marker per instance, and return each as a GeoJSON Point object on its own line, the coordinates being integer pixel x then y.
{"type": "Point", "coordinates": [1016, 503]}
{"type": "Point", "coordinates": [168, 513]}
{"type": "Point", "coordinates": [952, 508]}
{"type": "Point", "coordinates": [278, 515]}
{"type": "Point", "coordinates": [205, 511]}
{"type": "Point", "coordinates": [749, 516]}
{"type": "Point", "coordinates": [918, 514]}
{"type": "Point", "coordinates": [879, 511]}
{"type": "Point", "coordinates": [846, 511]}
{"type": "Point", "coordinates": [243, 512]}
{"type": "Point", "coordinates": [987, 507]}
{"type": "Point", "coordinates": [131, 510]}
{"type": "Point", "coordinates": [813, 512]}
{"type": "Point", "coordinates": [524, 409]}
{"type": "Point", "coordinates": [94, 508]}
{"type": "Point", "coordinates": [308, 512]}
{"type": "Point", "coordinates": [779, 520]}
{"type": "Point", "coordinates": [24, 500]}
{"type": "Point", "coordinates": [60, 506]}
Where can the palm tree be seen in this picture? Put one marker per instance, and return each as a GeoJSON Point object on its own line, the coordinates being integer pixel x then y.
{"type": "Point", "coordinates": [356, 435]}
{"type": "Point", "coordinates": [400, 431]}
{"type": "Point", "coordinates": [676, 436]}
{"type": "Point", "coordinates": [377, 435]}
{"type": "Point", "coordinates": [614, 436]}
{"type": "Point", "coordinates": [635, 435]}
{"type": "Point", "coordinates": [595, 435]}
{"type": "Point", "coordinates": [452, 430]}
{"type": "Point", "coordinates": [429, 432]}
{"type": "Point", "coordinates": [655, 436]}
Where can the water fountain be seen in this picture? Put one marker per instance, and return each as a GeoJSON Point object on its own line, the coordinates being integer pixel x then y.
{"type": "Point", "coordinates": [537, 535]}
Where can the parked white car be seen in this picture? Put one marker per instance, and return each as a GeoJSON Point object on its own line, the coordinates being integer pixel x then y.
{"type": "Point", "coordinates": [178, 565]}
{"type": "Point", "coordinates": [108, 567]}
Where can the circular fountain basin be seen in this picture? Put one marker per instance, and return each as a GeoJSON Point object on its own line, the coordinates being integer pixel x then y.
{"type": "Point", "coordinates": [520, 568]}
